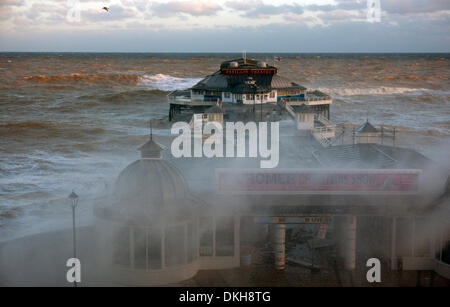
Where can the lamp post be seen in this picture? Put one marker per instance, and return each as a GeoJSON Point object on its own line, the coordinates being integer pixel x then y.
{"type": "Point", "coordinates": [74, 202]}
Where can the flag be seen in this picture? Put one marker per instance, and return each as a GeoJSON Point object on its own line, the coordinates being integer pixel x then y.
{"type": "Point", "coordinates": [278, 59]}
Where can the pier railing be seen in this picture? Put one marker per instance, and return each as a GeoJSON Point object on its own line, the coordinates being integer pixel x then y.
{"type": "Point", "coordinates": [185, 98]}
{"type": "Point", "coordinates": [347, 134]}
{"type": "Point", "coordinates": [308, 98]}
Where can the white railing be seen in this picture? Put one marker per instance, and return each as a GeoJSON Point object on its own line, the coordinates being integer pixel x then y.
{"type": "Point", "coordinates": [294, 99]}
{"type": "Point", "coordinates": [319, 136]}
{"type": "Point", "coordinates": [322, 119]}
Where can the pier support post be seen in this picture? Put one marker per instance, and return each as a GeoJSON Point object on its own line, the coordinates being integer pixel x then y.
{"type": "Point", "coordinates": [279, 244]}
{"type": "Point", "coordinates": [394, 244]}
{"type": "Point", "coordinates": [350, 243]}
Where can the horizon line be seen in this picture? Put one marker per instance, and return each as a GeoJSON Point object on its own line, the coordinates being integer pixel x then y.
{"type": "Point", "coordinates": [240, 52]}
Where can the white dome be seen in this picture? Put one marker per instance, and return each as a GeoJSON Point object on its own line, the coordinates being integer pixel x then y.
{"type": "Point", "coordinates": [149, 184]}
{"type": "Point", "coordinates": [261, 64]}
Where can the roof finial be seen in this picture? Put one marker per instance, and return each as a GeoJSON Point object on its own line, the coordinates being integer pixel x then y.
{"type": "Point", "coordinates": [151, 149]}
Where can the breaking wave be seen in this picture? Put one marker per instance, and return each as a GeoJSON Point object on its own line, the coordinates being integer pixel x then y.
{"type": "Point", "coordinates": [167, 83]}
{"type": "Point", "coordinates": [159, 82]}
{"type": "Point", "coordinates": [343, 92]}
{"type": "Point", "coordinates": [85, 78]}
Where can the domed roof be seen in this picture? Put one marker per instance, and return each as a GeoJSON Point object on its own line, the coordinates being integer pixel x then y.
{"type": "Point", "coordinates": [150, 184]}
{"type": "Point", "coordinates": [149, 187]}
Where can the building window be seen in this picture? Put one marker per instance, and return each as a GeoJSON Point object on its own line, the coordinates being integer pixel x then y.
{"type": "Point", "coordinates": [404, 237]}
{"type": "Point", "coordinates": [174, 245]}
{"type": "Point", "coordinates": [121, 254]}
{"type": "Point", "coordinates": [140, 248]}
{"type": "Point", "coordinates": [265, 97]}
{"type": "Point", "coordinates": [154, 249]}
{"type": "Point", "coordinates": [272, 94]}
{"type": "Point", "coordinates": [225, 236]}
{"type": "Point", "coordinates": [422, 243]}
{"type": "Point", "coordinates": [192, 243]}
{"type": "Point", "coordinates": [226, 95]}
{"type": "Point", "coordinates": [206, 237]}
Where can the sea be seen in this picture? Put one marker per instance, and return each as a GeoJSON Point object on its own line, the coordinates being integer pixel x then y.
{"type": "Point", "coordinates": [73, 121]}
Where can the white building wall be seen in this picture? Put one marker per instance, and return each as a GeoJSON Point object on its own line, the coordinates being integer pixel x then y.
{"type": "Point", "coordinates": [196, 96]}
{"type": "Point", "coordinates": [227, 99]}
{"type": "Point", "coordinates": [263, 98]}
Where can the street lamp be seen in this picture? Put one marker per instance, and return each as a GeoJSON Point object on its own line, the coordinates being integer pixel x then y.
{"type": "Point", "coordinates": [74, 202]}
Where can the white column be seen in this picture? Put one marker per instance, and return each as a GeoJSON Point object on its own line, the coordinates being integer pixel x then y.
{"type": "Point", "coordinates": [131, 233]}
{"type": "Point", "coordinates": [197, 236]}
{"type": "Point", "coordinates": [163, 248]}
{"type": "Point", "coordinates": [279, 243]}
{"type": "Point", "coordinates": [413, 243]}
{"type": "Point", "coordinates": [214, 236]}
{"type": "Point", "coordinates": [146, 248]}
{"type": "Point", "coordinates": [350, 242]}
{"type": "Point", "coordinates": [185, 242]}
{"type": "Point", "coordinates": [394, 244]}
{"type": "Point", "coordinates": [237, 226]}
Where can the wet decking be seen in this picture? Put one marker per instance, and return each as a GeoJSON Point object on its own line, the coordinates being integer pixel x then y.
{"type": "Point", "coordinates": [297, 276]}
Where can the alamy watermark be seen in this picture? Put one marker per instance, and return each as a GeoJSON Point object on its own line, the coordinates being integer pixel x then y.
{"type": "Point", "coordinates": [207, 141]}
{"type": "Point", "coordinates": [373, 11]}
{"type": "Point", "coordinates": [74, 12]}
{"type": "Point", "coordinates": [374, 273]}
{"type": "Point", "coordinates": [73, 275]}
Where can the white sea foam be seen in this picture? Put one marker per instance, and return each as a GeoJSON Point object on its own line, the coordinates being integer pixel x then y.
{"type": "Point", "coordinates": [166, 83]}
{"type": "Point", "coordinates": [344, 92]}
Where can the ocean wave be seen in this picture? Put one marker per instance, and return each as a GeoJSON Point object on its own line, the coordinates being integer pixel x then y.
{"type": "Point", "coordinates": [125, 96]}
{"type": "Point", "coordinates": [121, 78]}
{"type": "Point", "coordinates": [159, 82]}
{"type": "Point", "coordinates": [344, 92]}
{"type": "Point", "coordinates": [167, 83]}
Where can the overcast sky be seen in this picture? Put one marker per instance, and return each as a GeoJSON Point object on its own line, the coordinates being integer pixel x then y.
{"type": "Point", "coordinates": [225, 26]}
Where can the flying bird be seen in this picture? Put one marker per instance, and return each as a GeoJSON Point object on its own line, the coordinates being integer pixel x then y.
{"type": "Point", "coordinates": [106, 9]}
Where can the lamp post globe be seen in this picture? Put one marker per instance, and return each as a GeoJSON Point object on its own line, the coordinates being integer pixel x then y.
{"type": "Point", "coordinates": [74, 199]}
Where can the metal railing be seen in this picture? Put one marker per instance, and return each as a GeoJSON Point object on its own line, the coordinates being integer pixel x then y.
{"type": "Point", "coordinates": [319, 136]}
{"type": "Point", "coordinates": [305, 98]}
{"type": "Point", "coordinates": [323, 120]}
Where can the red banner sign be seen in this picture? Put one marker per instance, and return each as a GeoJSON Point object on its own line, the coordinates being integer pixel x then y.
{"type": "Point", "coordinates": [248, 71]}
{"type": "Point", "coordinates": [255, 181]}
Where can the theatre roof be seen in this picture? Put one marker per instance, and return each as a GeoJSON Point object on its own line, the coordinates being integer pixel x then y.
{"type": "Point", "coordinates": [236, 83]}
{"type": "Point", "coordinates": [370, 156]}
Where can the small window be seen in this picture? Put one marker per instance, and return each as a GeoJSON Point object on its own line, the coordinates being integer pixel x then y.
{"type": "Point", "coordinates": [225, 236]}
{"type": "Point", "coordinates": [272, 94]}
{"type": "Point", "coordinates": [206, 236]}
{"type": "Point", "coordinates": [121, 254]}
{"type": "Point", "coordinates": [140, 248]}
{"type": "Point", "coordinates": [226, 95]}
{"type": "Point", "coordinates": [174, 245]}
{"type": "Point", "coordinates": [154, 249]}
